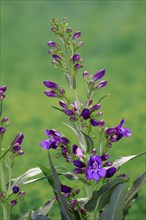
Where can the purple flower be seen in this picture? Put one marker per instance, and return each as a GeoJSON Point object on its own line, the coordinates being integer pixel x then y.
{"type": "Point", "coordinates": [52, 44]}
{"type": "Point", "coordinates": [94, 122]}
{"type": "Point", "coordinates": [76, 35]}
{"type": "Point", "coordinates": [79, 164]}
{"type": "Point", "coordinates": [96, 107]}
{"type": "Point", "coordinates": [95, 170]}
{"type": "Point", "coordinates": [56, 139]}
{"type": "Point", "coordinates": [68, 112]}
{"type": "Point", "coordinates": [50, 93]}
{"type": "Point", "coordinates": [102, 84]}
{"type": "Point", "coordinates": [86, 113]}
{"type": "Point", "coordinates": [65, 189]}
{"type": "Point", "coordinates": [76, 57]}
{"type": "Point", "coordinates": [50, 84]}
{"type": "Point", "coordinates": [116, 133]}
{"type": "Point", "coordinates": [110, 172]}
{"type": "Point", "coordinates": [77, 151]}
{"type": "Point", "coordinates": [99, 75]}
{"type": "Point", "coordinates": [15, 189]}
{"type": "Point", "coordinates": [18, 139]}
{"type": "Point", "coordinates": [63, 104]}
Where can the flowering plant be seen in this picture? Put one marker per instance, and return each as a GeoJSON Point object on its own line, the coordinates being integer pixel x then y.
{"type": "Point", "coordinates": [108, 194]}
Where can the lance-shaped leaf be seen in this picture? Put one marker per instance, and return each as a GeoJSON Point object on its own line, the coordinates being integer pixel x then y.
{"type": "Point", "coordinates": [119, 162]}
{"type": "Point", "coordinates": [133, 191]}
{"type": "Point", "coordinates": [104, 199]}
{"type": "Point", "coordinates": [92, 203]}
{"type": "Point", "coordinates": [114, 209]}
{"type": "Point", "coordinates": [79, 135]}
{"type": "Point", "coordinates": [46, 207]}
{"type": "Point", "coordinates": [24, 177]}
{"type": "Point", "coordinates": [89, 142]}
{"type": "Point", "coordinates": [26, 215]}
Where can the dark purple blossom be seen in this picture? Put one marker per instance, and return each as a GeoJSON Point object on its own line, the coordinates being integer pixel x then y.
{"type": "Point", "coordinates": [50, 93]}
{"type": "Point", "coordinates": [86, 113]}
{"type": "Point", "coordinates": [76, 35]}
{"type": "Point", "coordinates": [116, 133]}
{"type": "Point", "coordinates": [110, 172]}
{"type": "Point", "coordinates": [99, 75]}
{"type": "Point", "coordinates": [76, 57]}
{"type": "Point", "coordinates": [50, 84]}
{"type": "Point", "coordinates": [102, 84]}
{"type": "Point", "coordinates": [95, 170]}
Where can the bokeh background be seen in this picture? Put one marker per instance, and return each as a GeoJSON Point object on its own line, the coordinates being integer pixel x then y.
{"type": "Point", "coordinates": [113, 33]}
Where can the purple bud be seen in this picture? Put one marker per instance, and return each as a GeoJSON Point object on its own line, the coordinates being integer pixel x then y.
{"type": "Point", "coordinates": [76, 57]}
{"type": "Point", "coordinates": [5, 119]}
{"type": "Point", "coordinates": [1, 194]}
{"type": "Point", "coordinates": [56, 57]}
{"type": "Point", "coordinates": [61, 91]}
{"type": "Point", "coordinates": [122, 175]}
{"type": "Point", "coordinates": [13, 202]}
{"type": "Point", "coordinates": [65, 189]}
{"type": "Point", "coordinates": [15, 189]}
{"type": "Point", "coordinates": [73, 202]}
{"type": "Point", "coordinates": [102, 84]}
{"type": "Point", "coordinates": [110, 145]}
{"type": "Point", "coordinates": [85, 74]}
{"type": "Point", "coordinates": [102, 123]}
{"type": "Point", "coordinates": [63, 104]}
{"type": "Point", "coordinates": [81, 43]}
{"type": "Point", "coordinates": [77, 191]}
{"type": "Point", "coordinates": [53, 29]}
{"type": "Point", "coordinates": [94, 122]}
{"type": "Point", "coordinates": [64, 140]}
{"type": "Point", "coordinates": [50, 93]}
{"type": "Point", "coordinates": [76, 35]}
{"type": "Point", "coordinates": [54, 62]}
{"type": "Point", "coordinates": [83, 211]}
{"type": "Point", "coordinates": [99, 75]}
{"type": "Point", "coordinates": [50, 51]}
{"type": "Point", "coordinates": [20, 152]}
{"type": "Point", "coordinates": [77, 66]}
{"type": "Point", "coordinates": [18, 139]}
{"type": "Point", "coordinates": [69, 30]}
{"type": "Point", "coordinates": [52, 44]}
{"type": "Point", "coordinates": [78, 171]}
{"type": "Point", "coordinates": [2, 130]}
{"type": "Point", "coordinates": [100, 113]}
{"type": "Point", "coordinates": [50, 84]}
{"type": "Point", "coordinates": [104, 157]}
{"type": "Point", "coordinates": [69, 112]}
{"type": "Point", "coordinates": [72, 119]}
{"type": "Point", "coordinates": [86, 113]}
{"type": "Point", "coordinates": [22, 194]}
{"type": "Point", "coordinates": [3, 88]}
{"type": "Point", "coordinates": [108, 164]}
{"type": "Point", "coordinates": [79, 163]}
{"type": "Point", "coordinates": [94, 151]}
{"type": "Point", "coordinates": [89, 102]}
{"type": "Point", "coordinates": [96, 107]}
{"type": "Point", "coordinates": [16, 147]}
{"type": "Point", "coordinates": [110, 172]}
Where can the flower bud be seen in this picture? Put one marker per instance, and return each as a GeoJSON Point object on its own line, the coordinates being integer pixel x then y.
{"type": "Point", "coordinates": [18, 139]}
{"type": "Point", "coordinates": [56, 57]}
{"type": "Point", "coordinates": [76, 35]}
{"type": "Point", "coordinates": [94, 122]}
{"type": "Point", "coordinates": [102, 84]}
{"type": "Point", "coordinates": [86, 113]}
{"type": "Point", "coordinates": [52, 44]}
{"type": "Point", "coordinates": [108, 164]}
{"type": "Point", "coordinates": [96, 107]}
{"type": "Point", "coordinates": [99, 75]}
{"type": "Point", "coordinates": [85, 74]}
{"type": "Point", "coordinates": [15, 189]}
{"type": "Point", "coordinates": [3, 88]}
{"type": "Point", "coordinates": [50, 93]}
{"type": "Point", "coordinates": [13, 202]}
{"type": "Point", "coordinates": [2, 130]}
{"type": "Point", "coordinates": [77, 66]}
{"type": "Point", "coordinates": [69, 30]}
{"type": "Point", "coordinates": [104, 157]}
{"type": "Point", "coordinates": [110, 172]}
{"type": "Point", "coordinates": [50, 84]}
{"type": "Point", "coordinates": [5, 119]}
{"type": "Point", "coordinates": [76, 57]}
{"type": "Point", "coordinates": [62, 104]}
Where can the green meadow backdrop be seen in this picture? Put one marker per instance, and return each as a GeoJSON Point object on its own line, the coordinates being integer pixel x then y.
{"type": "Point", "coordinates": [113, 34]}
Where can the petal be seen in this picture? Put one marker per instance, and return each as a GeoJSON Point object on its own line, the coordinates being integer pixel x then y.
{"type": "Point", "coordinates": [96, 176]}
{"type": "Point", "coordinates": [46, 144]}
{"type": "Point", "coordinates": [102, 172]}
{"type": "Point", "coordinates": [89, 174]}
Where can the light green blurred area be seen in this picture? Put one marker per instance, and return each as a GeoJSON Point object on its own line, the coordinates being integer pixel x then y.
{"type": "Point", "coordinates": [113, 33]}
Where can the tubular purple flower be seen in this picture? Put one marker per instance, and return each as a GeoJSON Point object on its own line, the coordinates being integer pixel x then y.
{"type": "Point", "coordinates": [76, 35]}
{"type": "Point", "coordinates": [102, 84]}
{"type": "Point", "coordinates": [110, 172]}
{"type": "Point", "coordinates": [99, 75]}
{"type": "Point", "coordinates": [86, 113]}
{"type": "Point", "coordinates": [56, 57]}
{"type": "Point", "coordinates": [52, 44]}
{"type": "Point", "coordinates": [50, 84]}
{"type": "Point", "coordinates": [79, 164]}
{"type": "Point", "coordinates": [50, 93]}
{"type": "Point", "coordinates": [76, 57]}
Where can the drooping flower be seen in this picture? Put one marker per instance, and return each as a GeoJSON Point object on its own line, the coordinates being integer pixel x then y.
{"type": "Point", "coordinates": [116, 133]}
{"type": "Point", "coordinates": [95, 170]}
{"type": "Point", "coordinates": [56, 139]}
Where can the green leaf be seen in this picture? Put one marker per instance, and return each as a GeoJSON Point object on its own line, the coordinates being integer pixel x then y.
{"type": "Point", "coordinates": [89, 142]}
{"type": "Point", "coordinates": [92, 203]}
{"type": "Point", "coordinates": [133, 191]}
{"type": "Point", "coordinates": [57, 191]}
{"type": "Point", "coordinates": [46, 207]}
{"type": "Point", "coordinates": [79, 135]}
{"type": "Point", "coordinates": [26, 215]}
{"type": "Point", "coordinates": [114, 209]}
{"type": "Point", "coordinates": [104, 199]}
{"type": "Point", "coordinates": [119, 162]}
{"type": "Point", "coordinates": [24, 177]}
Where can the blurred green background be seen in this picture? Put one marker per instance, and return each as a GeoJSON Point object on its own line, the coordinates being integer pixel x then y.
{"type": "Point", "coordinates": [113, 33]}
